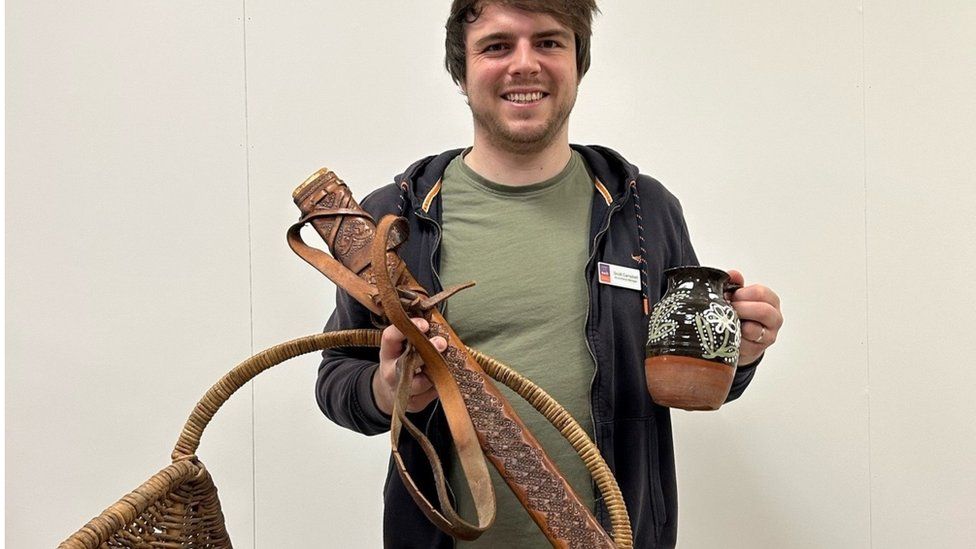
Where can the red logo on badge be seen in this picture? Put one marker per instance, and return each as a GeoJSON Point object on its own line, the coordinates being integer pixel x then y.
{"type": "Point", "coordinates": [604, 273]}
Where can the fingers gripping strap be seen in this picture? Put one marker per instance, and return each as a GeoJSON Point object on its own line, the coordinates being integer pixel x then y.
{"type": "Point", "coordinates": [462, 430]}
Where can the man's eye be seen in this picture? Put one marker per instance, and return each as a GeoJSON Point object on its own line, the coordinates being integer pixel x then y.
{"type": "Point", "coordinates": [549, 44]}
{"type": "Point", "coordinates": [495, 47]}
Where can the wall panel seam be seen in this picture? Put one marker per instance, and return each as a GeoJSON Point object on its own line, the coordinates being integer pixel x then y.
{"type": "Point", "coordinates": [250, 272]}
{"type": "Point", "coordinates": [867, 295]}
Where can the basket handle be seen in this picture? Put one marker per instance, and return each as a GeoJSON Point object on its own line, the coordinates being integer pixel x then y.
{"type": "Point", "coordinates": [203, 412]}
{"type": "Point", "coordinates": [205, 409]}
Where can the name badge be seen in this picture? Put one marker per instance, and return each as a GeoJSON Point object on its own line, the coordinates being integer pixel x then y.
{"type": "Point", "coordinates": [616, 275]}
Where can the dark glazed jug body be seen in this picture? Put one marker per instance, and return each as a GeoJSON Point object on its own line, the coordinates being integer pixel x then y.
{"type": "Point", "coordinates": [693, 341]}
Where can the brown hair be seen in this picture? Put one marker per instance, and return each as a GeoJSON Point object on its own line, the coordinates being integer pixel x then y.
{"type": "Point", "coordinates": [576, 15]}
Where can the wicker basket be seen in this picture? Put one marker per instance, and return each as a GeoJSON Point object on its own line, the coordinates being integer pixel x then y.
{"type": "Point", "coordinates": [178, 506]}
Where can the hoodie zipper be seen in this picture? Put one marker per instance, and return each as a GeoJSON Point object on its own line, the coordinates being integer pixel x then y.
{"type": "Point", "coordinates": [441, 307]}
{"type": "Point", "coordinates": [589, 309]}
{"type": "Point", "coordinates": [437, 281]}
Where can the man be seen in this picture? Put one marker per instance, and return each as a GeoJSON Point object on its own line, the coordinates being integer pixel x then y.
{"type": "Point", "coordinates": [529, 217]}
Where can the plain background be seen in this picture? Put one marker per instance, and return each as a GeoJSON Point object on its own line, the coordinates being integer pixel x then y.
{"type": "Point", "coordinates": [823, 148]}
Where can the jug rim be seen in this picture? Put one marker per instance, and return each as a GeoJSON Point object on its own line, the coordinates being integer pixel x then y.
{"type": "Point", "coordinates": [719, 273]}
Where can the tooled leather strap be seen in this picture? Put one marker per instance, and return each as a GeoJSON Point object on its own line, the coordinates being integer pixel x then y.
{"type": "Point", "coordinates": [508, 444]}
{"type": "Point", "coordinates": [422, 352]}
{"type": "Point", "coordinates": [328, 266]}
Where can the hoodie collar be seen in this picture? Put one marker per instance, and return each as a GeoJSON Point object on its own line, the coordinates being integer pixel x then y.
{"type": "Point", "coordinates": [609, 168]}
{"type": "Point", "coordinates": [422, 179]}
{"type": "Point", "coordinates": [612, 175]}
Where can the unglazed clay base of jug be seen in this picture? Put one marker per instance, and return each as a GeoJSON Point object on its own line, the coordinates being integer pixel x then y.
{"type": "Point", "coordinates": [687, 383]}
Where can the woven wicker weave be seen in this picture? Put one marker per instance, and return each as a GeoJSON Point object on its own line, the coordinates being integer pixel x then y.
{"type": "Point", "coordinates": [178, 506]}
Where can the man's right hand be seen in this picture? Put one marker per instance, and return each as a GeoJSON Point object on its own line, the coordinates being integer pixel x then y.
{"type": "Point", "coordinates": [392, 345]}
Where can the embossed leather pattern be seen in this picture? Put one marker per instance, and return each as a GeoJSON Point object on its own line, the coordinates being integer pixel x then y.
{"type": "Point", "coordinates": [482, 422]}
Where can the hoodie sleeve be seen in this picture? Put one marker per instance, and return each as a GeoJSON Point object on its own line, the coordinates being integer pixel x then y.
{"type": "Point", "coordinates": [344, 389]}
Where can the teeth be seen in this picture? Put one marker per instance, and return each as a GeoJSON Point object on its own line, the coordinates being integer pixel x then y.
{"type": "Point", "coordinates": [524, 97]}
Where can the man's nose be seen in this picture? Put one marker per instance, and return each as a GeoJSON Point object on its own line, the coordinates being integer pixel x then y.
{"type": "Point", "coordinates": [525, 61]}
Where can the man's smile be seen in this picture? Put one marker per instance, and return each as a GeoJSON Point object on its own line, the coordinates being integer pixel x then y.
{"type": "Point", "coordinates": [524, 97]}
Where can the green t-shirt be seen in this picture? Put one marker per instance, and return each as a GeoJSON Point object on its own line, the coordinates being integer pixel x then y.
{"type": "Point", "coordinates": [526, 247]}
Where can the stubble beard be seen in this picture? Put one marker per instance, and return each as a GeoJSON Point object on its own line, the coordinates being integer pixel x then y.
{"type": "Point", "coordinates": [526, 141]}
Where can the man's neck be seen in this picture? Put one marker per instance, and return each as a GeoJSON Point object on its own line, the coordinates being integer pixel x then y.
{"type": "Point", "coordinates": [518, 169]}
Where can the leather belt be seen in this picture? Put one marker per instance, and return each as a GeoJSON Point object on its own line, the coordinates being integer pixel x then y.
{"type": "Point", "coordinates": [365, 264]}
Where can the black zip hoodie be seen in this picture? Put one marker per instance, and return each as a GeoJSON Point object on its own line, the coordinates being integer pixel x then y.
{"type": "Point", "coordinates": [633, 433]}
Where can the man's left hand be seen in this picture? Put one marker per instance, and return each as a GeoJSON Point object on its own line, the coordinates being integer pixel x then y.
{"type": "Point", "coordinates": [759, 310]}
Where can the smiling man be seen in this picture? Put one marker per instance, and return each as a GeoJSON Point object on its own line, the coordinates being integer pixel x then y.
{"type": "Point", "coordinates": [532, 219]}
{"type": "Point", "coordinates": [520, 80]}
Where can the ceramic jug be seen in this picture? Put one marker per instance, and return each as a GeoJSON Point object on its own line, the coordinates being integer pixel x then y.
{"type": "Point", "coordinates": [693, 340]}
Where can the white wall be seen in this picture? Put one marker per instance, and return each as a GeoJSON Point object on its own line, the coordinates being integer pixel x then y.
{"type": "Point", "coordinates": [824, 148]}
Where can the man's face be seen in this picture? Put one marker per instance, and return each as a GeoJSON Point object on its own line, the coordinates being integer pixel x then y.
{"type": "Point", "coordinates": [521, 78]}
